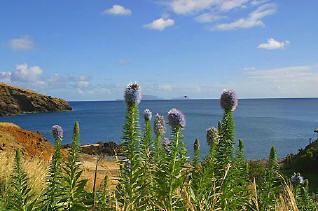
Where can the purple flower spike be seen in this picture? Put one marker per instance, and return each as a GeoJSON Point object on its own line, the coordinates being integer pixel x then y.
{"type": "Point", "coordinates": [212, 135]}
{"type": "Point", "coordinates": [229, 100]}
{"type": "Point", "coordinates": [159, 126]}
{"type": "Point", "coordinates": [147, 115]}
{"type": "Point", "coordinates": [166, 144]}
{"type": "Point", "coordinates": [57, 132]}
{"type": "Point", "coordinates": [176, 118]}
{"type": "Point", "coordinates": [133, 94]}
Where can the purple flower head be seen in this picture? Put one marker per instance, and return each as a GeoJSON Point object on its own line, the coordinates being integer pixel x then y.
{"type": "Point", "coordinates": [176, 118]}
{"type": "Point", "coordinates": [212, 135]}
{"type": "Point", "coordinates": [147, 115]}
{"type": "Point", "coordinates": [133, 94]}
{"type": "Point", "coordinates": [159, 125]}
{"type": "Point", "coordinates": [229, 100]}
{"type": "Point", "coordinates": [57, 132]}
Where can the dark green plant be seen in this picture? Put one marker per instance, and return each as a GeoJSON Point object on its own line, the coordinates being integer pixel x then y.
{"type": "Point", "coordinates": [74, 195]}
{"type": "Point", "coordinates": [225, 170]}
{"type": "Point", "coordinates": [269, 186]}
{"type": "Point", "coordinates": [196, 167]}
{"type": "Point", "coordinates": [20, 197]}
{"type": "Point", "coordinates": [129, 180]}
{"type": "Point", "coordinates": [240, 178]}
{"type": "Point", "coordinates": [103, 195]}
{"type": "Point", "coordinates": [146, 164]}
{"type": "Point", "coordinates": [204, 180]}
{"type": "Point", "coordinates": [54, 190]}
{"type": "Point", "coordinates": [303, 198]}
{"type": "Point", "coordinates": [171, 172]}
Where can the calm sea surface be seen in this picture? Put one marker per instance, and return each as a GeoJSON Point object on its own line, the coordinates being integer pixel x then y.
{"type": "Point", "coordinates": [286, 123]}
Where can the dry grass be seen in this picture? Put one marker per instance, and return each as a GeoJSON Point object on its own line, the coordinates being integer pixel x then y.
{"type": "Point", "coordinates": [35, 168]}
{"type": "Point", "coordinates": [8, 124]}
{"type": "Point", "coordinates": [106, 166]}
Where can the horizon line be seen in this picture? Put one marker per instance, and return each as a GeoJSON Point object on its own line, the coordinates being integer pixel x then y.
{"type": "Point", "coordinates": [257, 98]}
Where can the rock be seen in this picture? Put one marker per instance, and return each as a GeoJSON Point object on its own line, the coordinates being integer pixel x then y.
{"type": "Point", "coordinates": [15, 100]}
{"type": "Point", "coordinates": [107, 148]}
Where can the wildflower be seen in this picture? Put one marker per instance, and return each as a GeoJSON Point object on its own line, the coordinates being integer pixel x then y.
{"type": "Point", "coordinates": [159, 126]}
{"type": "Point", "coordinates": [212, 135]}
{"type": "Point", "coordinates": [147, 115]}
{"type": "Point", "coordinates": [229, 100]}
{"type": "Point", "coordinates": [57, 132]}
{"type": "Point", "coordinates": [176, 118]}
{"type": "Point", "coordinates": [297, 179]}
{"type": "Point", "coordinates": [133, 94]}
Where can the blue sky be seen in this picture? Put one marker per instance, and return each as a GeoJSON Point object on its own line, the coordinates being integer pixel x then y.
{"type": "Point", "coordinates": [91, 49]}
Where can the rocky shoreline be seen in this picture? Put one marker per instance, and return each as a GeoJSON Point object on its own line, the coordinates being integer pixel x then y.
{"type": "Point", "coordinates": [16, 100]}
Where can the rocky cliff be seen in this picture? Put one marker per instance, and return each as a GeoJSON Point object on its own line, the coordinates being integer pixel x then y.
{"type": "Point", "coordinates": [15, 100]}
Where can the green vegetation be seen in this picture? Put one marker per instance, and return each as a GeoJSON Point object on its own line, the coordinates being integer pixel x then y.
{"type": "Point", "coordinates": [156, 173]}
{"type": "Point", "coordinates": [305, 162]}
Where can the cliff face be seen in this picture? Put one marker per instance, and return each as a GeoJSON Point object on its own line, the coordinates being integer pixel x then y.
{"type": "Point", "coordinates": [15, 100]}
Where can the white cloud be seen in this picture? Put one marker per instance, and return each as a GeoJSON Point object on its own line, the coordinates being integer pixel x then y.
{"type": "Point", "coordinates": [273, 44]}
{"type": "Point", "coordinates": [190, 6]}
{"type": "Point", "coordinates": [291, 81]}
{"type": "Point", "coordinates": [207, 18]}
{"type": "Point", "coordinates": [160, 24]}
{"type": "Point", "coordinates": [21, 43]}
{"type": "Point", "coordinates": [32, 77]}
{"type": "Point", "coordinates": [254, 19]}
{"type": "Point", "coordinates": [185, 7]}
{"type": "Point", "coordinates": [26, 74]}
{"type": "Point", "coordinates": [226, 5]}
{"type": "Point", "coordinates": [118, 10]}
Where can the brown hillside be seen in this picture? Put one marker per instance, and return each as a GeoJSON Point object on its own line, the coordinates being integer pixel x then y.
{"type": "Point", "coordinates": [31, 144]}
{"type": "Point", "coordinates": [15, 100]}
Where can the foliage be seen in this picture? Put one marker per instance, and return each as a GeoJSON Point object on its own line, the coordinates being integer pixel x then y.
{"type": "Point", "coordinates": [156, 173]}
{"type": "Point", "coordinates": [73, 193]}
{"type": "Point", "coordinates": [54, 190]}
{"type": "Point", "coordinates": [20, 196]}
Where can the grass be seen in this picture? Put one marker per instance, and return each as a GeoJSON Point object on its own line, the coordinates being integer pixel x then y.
{"type": "Point", "coordinates": [154, 174]}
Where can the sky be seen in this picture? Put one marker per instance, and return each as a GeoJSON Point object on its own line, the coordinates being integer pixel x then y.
{"type": "Point", "coordinates": [91, 49]}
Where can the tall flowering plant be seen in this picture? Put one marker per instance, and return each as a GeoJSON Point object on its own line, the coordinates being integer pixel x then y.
{"type": "Point", "coordinates": [228, 102]}
{"type": "Point", "coordinates": [73, 191]}
{"type": "Point", "coordinates": [146, 164]}
{"type": "Point", "coordinates": [128, 188]}
{"type": "Point", "coordinates": [53, 194]}
{"type": "Point", "coordinates": [172, 172]}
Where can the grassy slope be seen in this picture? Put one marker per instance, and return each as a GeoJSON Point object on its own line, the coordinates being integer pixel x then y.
{"type": "Point", "coordinates": [305, 162]}
{"type": "Point", "coordinates": [37, 153]}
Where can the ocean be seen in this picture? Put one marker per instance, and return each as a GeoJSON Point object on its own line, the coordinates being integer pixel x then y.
{"type": "Point", "coordinates": [287, 124]}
